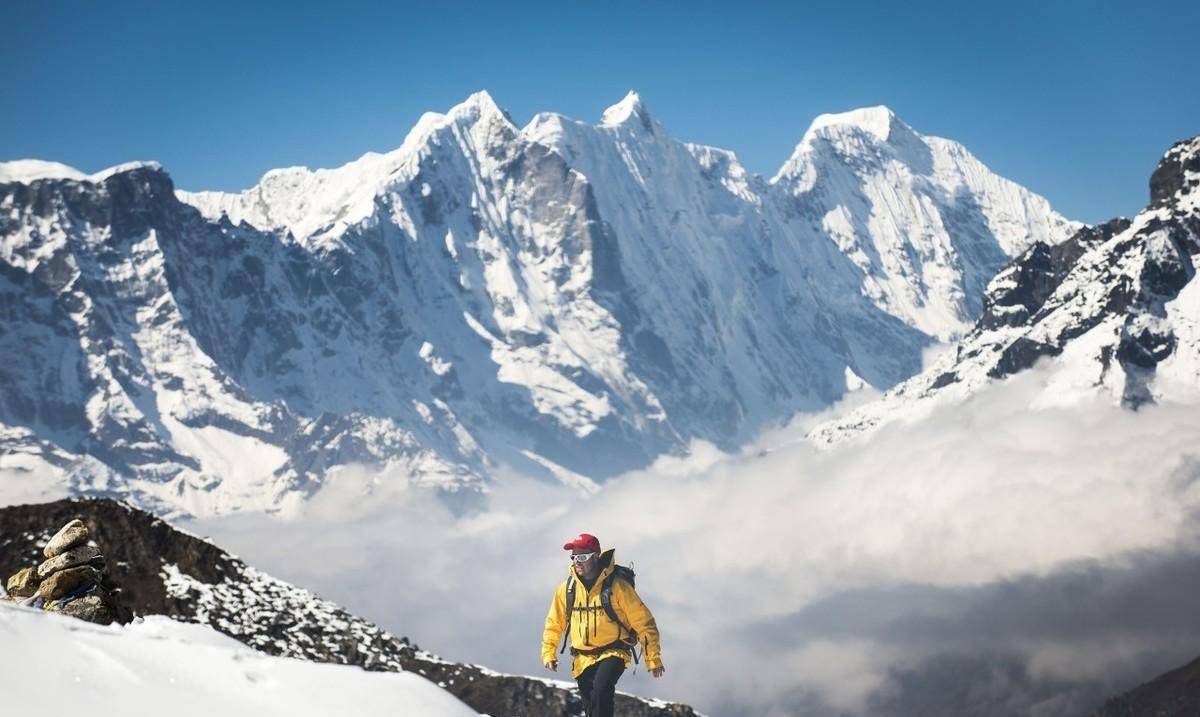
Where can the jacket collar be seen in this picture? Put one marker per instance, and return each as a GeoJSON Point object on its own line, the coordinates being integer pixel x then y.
{"type": "Point", "coordinates": [608, 562]}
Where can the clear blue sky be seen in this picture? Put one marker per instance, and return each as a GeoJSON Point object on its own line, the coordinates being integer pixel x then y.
{"type": "Point", "coordinates": [1075, 100]}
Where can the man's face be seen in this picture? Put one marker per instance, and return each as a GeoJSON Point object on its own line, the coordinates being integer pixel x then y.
{"type": "Point", "coordinates": [588, 568]}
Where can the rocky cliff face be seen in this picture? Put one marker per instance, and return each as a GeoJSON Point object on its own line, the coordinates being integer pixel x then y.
{"type": "Point", "coordinates": [164, 571]}
{"type": "Point", "coordinates": [1175, 694]}
{"type": "Point", "coordinates": [567, 300]}
{"type": "Point", "coordinates": [1114, 309]}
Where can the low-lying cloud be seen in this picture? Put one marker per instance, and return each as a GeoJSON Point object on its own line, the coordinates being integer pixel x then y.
{"type": "Point", "coordinates": [989, 560]}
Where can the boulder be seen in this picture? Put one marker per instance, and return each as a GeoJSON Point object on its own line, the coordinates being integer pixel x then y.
{"type": "Point", "coordinates": [89, 607]}
{"type": "Point", "coordinates": [69, 559]}
{"type": "Point", "coordinates": [67, 581]}
{"type": "Point", "coordinates": [23, 584]}
{"type": "Point", "coordinates": [71, 535]}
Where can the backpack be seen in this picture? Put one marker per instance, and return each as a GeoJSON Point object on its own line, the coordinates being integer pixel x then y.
{"type": "Point", "coordinates": [620, 572]}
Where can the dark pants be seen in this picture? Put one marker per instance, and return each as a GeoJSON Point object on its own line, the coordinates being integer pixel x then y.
{"type": "Point", "coordinates": [598, 683]}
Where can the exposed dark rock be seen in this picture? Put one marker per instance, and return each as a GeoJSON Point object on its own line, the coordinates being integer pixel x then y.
{"type": "Point", "coordinates": [1036, 274]}
{"type": "Point", "coordinates": [1020, 355]}
{"type": "Point", "coordinates": [1171, 175]}
{"type": "Point", "coordinates": [1174, 694]}
{"type": "Point", "coordinates": [944, 379]}
{"type": "Point", "coordinates": [92, 608]}
{"type": "Point", "coordinates": [167, 572]}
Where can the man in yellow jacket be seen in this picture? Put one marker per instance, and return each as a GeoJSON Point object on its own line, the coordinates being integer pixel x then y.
{"type": "Point", "coordinates": [602, 648]}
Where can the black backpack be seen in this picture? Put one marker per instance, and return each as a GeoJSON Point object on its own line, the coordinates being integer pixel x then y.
{"type": "Point", "coordinates": [620, 572]}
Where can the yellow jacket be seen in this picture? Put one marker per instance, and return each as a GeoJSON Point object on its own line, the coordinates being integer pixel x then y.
{"type": "Point", "coordinates": [591, 627]}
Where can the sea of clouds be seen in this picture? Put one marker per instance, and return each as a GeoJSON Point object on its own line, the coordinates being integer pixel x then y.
{"type": "Point", "coordinates": [989, 559]}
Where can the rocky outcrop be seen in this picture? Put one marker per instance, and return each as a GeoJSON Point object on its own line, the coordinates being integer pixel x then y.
{"type": "Point", "coordinates": [1113, 309]}
{"type": "Point", "coordinates": [1174, 694]}
{"type": "Point", "coordinates": [164, 571]}
{"type": "Point", "coordinates": [71, 580]}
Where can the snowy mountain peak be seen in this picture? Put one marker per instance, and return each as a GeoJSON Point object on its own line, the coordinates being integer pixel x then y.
{"type": "Point", "coordinates": [478, 107]}
{"type": "Point", "coordinates": [126, 167]}
{"type": "Point", "coordinates": [878, 121]}
{"type": "Point", "coordinates": [630, 109]}
{"type": "Point", "coordinates": [868, 136]}
{"type": "Point", "coordinates": [570, 299]}
{"type": "Point", "coordinates": [32, 170]}
{"type": "Point", "coordinates": [1110, 311]}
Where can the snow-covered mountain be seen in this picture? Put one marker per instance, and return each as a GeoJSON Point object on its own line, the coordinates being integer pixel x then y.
{"type": "Point", "coordinates": [1115, 309]}
{"type": "Point", "coordinates": [563, 299]}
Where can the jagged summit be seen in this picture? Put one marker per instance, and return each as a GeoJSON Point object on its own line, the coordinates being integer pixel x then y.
{"type": "Point", "coordinates": [878, 121]}
{"type": "Point", "coordinates": [1177, 177]}
{"type": "Point", "coordinates": [477, 107]}
{"type": "Point", "coordinates": [1109, 313]}
{"type": "Point", "coordinates": [873, 134]}
{"type": "Point", "coordinates": [569, 300]}
{"type": "Point", "coordinates": [629, 109]}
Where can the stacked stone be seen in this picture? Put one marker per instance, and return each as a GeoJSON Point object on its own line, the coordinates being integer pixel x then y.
{"type": "Point", "coordinates": [71, 580]}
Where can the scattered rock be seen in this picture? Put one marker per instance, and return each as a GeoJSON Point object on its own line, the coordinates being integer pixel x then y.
{"type": "Point", "coordinates": [72, 535]}
{"type": "Point", "coordinates": [69, 559]}
{"type": "Point", "coordinates": [23, 584]}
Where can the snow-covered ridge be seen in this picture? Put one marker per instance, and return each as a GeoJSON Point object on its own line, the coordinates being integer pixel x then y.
{"type": "Point", "coordinates": [1114, 311]}
{"type": "Point", "coordinates": [567, 300]}
{"type": "Point", "coordinates": [26, 171]}
{"type": "Point", "coordinates": [308, 202]}
{"type": "Point", "coordinates": [877, 120]}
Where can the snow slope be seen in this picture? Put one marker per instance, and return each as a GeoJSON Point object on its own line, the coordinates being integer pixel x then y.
{"type": "Point", "coordinates": [159, 666]}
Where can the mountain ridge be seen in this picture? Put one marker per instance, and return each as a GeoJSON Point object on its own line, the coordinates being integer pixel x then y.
{"type": "Point", "coordinates": [1112, 310]}
{"type": "Point", "coordinates": [565, 300]}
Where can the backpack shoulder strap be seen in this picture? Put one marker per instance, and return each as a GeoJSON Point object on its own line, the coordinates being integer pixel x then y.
{"type": "Point", "coordinates": [620, 572]}
{"type": "Point", "coordinates": [570, 606]}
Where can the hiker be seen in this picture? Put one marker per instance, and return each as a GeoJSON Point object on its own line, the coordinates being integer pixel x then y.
{"type": "Point", "coordinates": [605, 624]}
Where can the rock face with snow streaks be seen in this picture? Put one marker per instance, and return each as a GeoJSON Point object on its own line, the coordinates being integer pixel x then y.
{"type": "Point", "coordinates": [565, 299]}
{"type": "Point", "coordinates": [1114, 309]}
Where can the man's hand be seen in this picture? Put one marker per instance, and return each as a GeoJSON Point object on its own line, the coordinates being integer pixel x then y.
{"type": "Point", "coordinates": [552, 665]}
{"type": "Point", "coordinates": [658, 671]}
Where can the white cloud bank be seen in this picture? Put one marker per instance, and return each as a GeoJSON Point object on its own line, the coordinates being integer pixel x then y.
{"type": "Point", "coordinates": [1034, 560]}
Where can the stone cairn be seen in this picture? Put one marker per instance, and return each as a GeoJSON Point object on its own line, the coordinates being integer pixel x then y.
{"type": "Point", "coordinates": [71, 580]}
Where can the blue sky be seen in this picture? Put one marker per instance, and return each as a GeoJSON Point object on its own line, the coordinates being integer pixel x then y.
{"type": "Point", "coordinates": [1076, 100]}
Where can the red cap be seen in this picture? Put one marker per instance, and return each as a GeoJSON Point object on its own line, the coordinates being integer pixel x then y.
{"type": "Point", "coordinates": [584, 542]}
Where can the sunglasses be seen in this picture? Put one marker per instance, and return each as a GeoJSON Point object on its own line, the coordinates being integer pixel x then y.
{"type": "Point", "coordinates": [582, 557]}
